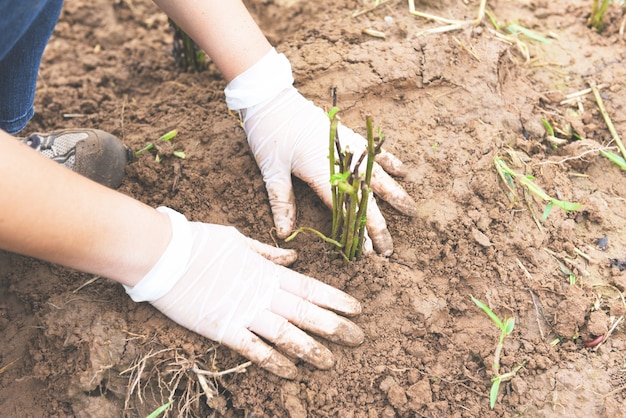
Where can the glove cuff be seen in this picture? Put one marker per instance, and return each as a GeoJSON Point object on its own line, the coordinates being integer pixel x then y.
{"type": "Point", "coordinates": [172, 264]}
{"type": "Point", "coordinates": [259, 83]}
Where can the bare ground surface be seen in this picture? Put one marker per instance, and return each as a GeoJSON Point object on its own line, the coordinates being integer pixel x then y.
{"type": "Point", "coordinates": [448, 103]}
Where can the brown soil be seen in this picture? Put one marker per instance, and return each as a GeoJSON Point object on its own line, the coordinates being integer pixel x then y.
{"type": "Point", "coordinates": [448, 103]}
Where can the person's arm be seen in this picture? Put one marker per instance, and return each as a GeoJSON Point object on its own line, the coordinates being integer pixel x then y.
{"type": "Point", "coordinates": [51, 213]}
{"type": "Point", "coordinates": [287, 133]}
{"type": "Point", "coordinates": [223, 29]}
{"type": "Point", "coordinates": [208, 278]}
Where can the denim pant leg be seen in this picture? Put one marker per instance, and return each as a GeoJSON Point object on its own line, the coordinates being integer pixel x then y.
{"type": "Point", "coordinates": [25, 29]}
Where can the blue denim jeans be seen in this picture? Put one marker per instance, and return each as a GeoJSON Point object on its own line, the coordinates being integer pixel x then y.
{"type": "Point", "coordinates": [25, 29]}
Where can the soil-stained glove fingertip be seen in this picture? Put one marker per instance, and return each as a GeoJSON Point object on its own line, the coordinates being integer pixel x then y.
{"type": "Point", "coordinates": [280, 366]}
{"type": "Point", "coordinates": [349, 334]}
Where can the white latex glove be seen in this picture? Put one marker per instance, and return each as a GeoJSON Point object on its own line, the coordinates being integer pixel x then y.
{"type": "Point", "coordinates": [289, 134]}
{"type": "Point", "coordinates": [232, 289]}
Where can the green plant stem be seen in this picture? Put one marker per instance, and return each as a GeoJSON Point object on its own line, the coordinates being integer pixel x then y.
{"type": "Point", "coordinates": [496, 354]}
{"type": "Point", "coordinates": [598, 10]}
{"type": "Point", "coordinates": [351, 243]}
{"type": "Point", "coordinates": [316, 232]}
{"type": "Point", "coordinates": [187, 54]}
{"type": "Point", "coordinates": [334, 121]}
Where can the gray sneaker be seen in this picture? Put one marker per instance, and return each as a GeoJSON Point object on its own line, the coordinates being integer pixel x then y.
{"type": "Point", "coordinates": [95, 154]}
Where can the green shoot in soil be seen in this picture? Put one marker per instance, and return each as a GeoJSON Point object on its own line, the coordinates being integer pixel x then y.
{"type": "Point", "coordinates": [516, 29]}
{"type": "Point", "coordinates": [188, 55]}
{"type": "Point", "coordinates": [506, 327]}
{"type": "Point", "coordinates": [614, 158]}
{"type": "Point", "coordinates": [596, 18]}
{"type": "Point", "coordinates": [160, 410]}
{"type": "Point", "coordinates": [164, 138]}
{"type": "Point", "coordinates": [507, 175]}
{"type": "Point", "coordinates": [350, 191]}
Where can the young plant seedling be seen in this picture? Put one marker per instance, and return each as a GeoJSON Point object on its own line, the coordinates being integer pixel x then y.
{"type": "Point", "coordinates": [596, 18]}
{"type": "Point", "coordinates": [165, 138]}
{"type": "Point", "coordinates": [350, 191]}
{"type": "Point", "coordinates": [506, 328]}
{"type": "Point", "coordinates": [160, 410]}
{"type": "Point", "coordinates": [509, 177]}
{"type": "Point", "coordinates": [187, 54]}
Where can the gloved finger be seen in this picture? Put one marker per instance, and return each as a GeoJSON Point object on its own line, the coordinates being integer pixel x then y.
{"type": "Point", "coordinates": [391, 192]}
{"type": "Point", "coordinates": [319, 321]}
{"type": "Point", "coordinates": [283, 204]}
{"type": "Point", "coordinates": [291, 339]}
{"type": "Point", "coordinates": [377, 229]}
{"type": "Point", "coordinates": [390, 163]}
{"type": "Point", "coordinates": [319, 293]}
{"type": "Point", "coordinates": [281, 256]}
{"type": "Point", "coordinates": [253, 348]}
{"type": "Point", "coordinates": [368, 246]}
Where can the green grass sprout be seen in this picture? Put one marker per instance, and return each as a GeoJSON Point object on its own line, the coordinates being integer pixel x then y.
{"type": "Point", "coordinates": [548, 127]}
{"type": "Point", "coordinates": [492, 19]}
{"type": "Point", "coordinates": [598, 10]}
{"type": "Point", "coordinates": [506, 328]}
{"type": "Point", "coordinates": [515, 29]}
{"type": "Point", "coordinates": [164, 138]}
{"type": "Point", "coordinates": [526, 181]}
{"type": "Point", "coordinates": [160, 410]}
{"type": "Point", "coordinates": [618, 160]}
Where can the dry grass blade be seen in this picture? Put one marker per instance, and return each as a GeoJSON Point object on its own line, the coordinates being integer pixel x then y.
{"type": "Point", "coordinates": [607, 120]}
{"type": "Point", "coordinates": [451, 24]}
{"type": "Point", "coordinates": [6, 366]}
{"type": "Point", "coordinates": [87, 283]}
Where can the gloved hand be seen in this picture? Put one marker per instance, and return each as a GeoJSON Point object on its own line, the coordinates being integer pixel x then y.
{"type": "Point", "coordinates": [289, 134]}
{"type": "Point", "coordinates": [232, 289]}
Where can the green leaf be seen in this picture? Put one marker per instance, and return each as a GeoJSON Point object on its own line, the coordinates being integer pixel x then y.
{"type": "Point", "coordinates": [548, 127]}
{"type": "Point", "coordinates": [168, 136]}
{"type": "Point", "coordinates": [572, 279]}
{"type": "Point", "coordinates": [547, 210]}
{"type": "Point", "coordinates": [337, 178]}
{"type": "Point", "coordinates": [160, 410]}
{"type": "Point", "coordinates": [333, 112]}
{"type": "Point", "coordinates": [489, 312]}
{"type": "Point", "coordinates": [509, 324]}
{"type": "Point", "coordinates": [514, 29]}
{"type": "Point", "coordinates": [567, 206]}
{"type": "Point", "coordinates": [614, 158]}
{"type": "Point", "coordinates": [493, 394]}
{"type": "Point", "coordinates": [179, 154]}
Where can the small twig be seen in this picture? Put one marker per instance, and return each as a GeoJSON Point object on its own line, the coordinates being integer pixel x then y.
{"type": "Point", "coordinates": [577, 157]}
{"type": "Point", "coordinates": [572, 96]}
{"type": "Point", "coordinates": [608, 334]}
{"type": "Point", "coordinates": [451, 24]}
{"type": "Point", "coordinates": [543, 316]}
{"type": "Point", "coordinates": [465, 48]}
{"type": "Point", "coordinates": [402, 263]}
